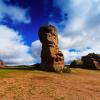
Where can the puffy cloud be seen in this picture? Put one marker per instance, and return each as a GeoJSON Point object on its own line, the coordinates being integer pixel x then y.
{"type": "Point", "coordinates": [14, 13]}
{"type": "Point", "coordinates": [81, 30]}
{"type": "Point", "coordinates": [72, 48]}
{"type": "Point", "coordinates": [36, 48]}
{"type": "Point", "coordinates": [12, 48]}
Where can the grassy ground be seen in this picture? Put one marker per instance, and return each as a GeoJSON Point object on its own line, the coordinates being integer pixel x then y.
{"type": "Point", "coordinates": [28, 84]}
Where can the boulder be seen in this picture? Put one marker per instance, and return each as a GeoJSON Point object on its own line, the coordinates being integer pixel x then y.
{"type": "Point", "coordinates": [91, 61]}
{"type": "Point", "coordinates": [2, 64]}
{"type": "Point", "coordinates": [51, 58]}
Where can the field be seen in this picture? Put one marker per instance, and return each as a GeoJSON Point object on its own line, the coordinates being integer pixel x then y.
{"type": "Point", "coordinates": [28, 84]}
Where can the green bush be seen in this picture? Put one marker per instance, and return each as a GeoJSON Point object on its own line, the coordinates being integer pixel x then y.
{"type": "Point", "coordinates": [64, 70]}
{"type": "Point", "coordinates": [76, 63]}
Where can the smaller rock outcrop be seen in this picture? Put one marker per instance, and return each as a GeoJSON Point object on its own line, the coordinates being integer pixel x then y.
{"type": "Point", "coordinates": [91, 61]}
{"type": "Point", "coordinates": [2, 64]}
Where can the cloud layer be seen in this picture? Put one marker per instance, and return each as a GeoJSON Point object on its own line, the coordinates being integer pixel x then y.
{"type": "Point", "coordinates": [82, 28]}
{"type": "Point", "coordinates": [36, 48]}
{"type": "Point", "coordinates": [12, 48]}
{"type": "Point", "coordinates": [14, 13]}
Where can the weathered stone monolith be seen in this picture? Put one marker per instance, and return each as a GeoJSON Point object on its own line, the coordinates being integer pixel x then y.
{"type": "Point", "coordinates": [51, 58]}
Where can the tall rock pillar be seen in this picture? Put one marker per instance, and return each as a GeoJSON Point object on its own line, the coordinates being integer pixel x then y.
{"type": "Point", "coordinates": [51, 58]}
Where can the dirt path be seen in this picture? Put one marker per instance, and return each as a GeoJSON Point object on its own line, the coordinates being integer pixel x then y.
{"type": "Point", "coordinates": [80, 84]}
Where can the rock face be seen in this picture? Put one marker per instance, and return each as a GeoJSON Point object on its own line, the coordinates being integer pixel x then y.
{"type": "Point", "coordinates": [2, 63]}
{"type": "Point", "coordinates": [51, 58]}
{"type": "Point", "coordinates": [91, 61]}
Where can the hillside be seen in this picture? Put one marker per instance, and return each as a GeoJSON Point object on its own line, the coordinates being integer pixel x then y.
{"type": "Point", "coordinates": [20, 84]}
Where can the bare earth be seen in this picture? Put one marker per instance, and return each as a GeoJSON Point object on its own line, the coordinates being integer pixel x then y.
{"type": "Point", "coordinates": [80, 84]}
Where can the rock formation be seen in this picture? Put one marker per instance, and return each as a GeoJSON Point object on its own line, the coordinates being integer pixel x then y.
{"type": "Point", "coordinates": [1, 63]}
{"type": "Point", "coordinates": [51, 58]}
{"type": "Point", "coordinates": [91, 61]}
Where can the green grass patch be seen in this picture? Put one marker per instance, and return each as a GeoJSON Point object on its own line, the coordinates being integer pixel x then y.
{"type": "Point", "coordinates": [13, 72]}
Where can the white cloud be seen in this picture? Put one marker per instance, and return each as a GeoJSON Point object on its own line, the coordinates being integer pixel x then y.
{"type": "Point", "coordinates": [36, 51]}
{"type": "Point", "coordinates": [15, 13]}
{"type": "Point", "coordinates": [12, 48]}
{"type": "Point", "coordinates": [81, 30]}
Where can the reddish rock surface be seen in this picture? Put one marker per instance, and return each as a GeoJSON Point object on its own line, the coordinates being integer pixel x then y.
{"type": "Point", "coordinates": [91, 61]}
{"type": "Point", "coordinates": [51, 58]}
{"type": "Point", "coordinates": [2, 63]}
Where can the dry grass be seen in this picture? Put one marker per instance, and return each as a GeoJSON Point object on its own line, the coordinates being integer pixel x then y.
{"type": "Point", "coordinates": [80, 84]}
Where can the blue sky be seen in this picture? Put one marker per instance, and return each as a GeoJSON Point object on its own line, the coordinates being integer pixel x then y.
{"type": "Point", "coordinates": [77, 22]}
{"type": "Point", "coordinates": [31, 16]}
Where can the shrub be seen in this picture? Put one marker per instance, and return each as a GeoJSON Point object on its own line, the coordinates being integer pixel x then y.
{"type": "Point", "coordinates": [66, 70]}
{"type": "Point", "coordinates": [76, 63]}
